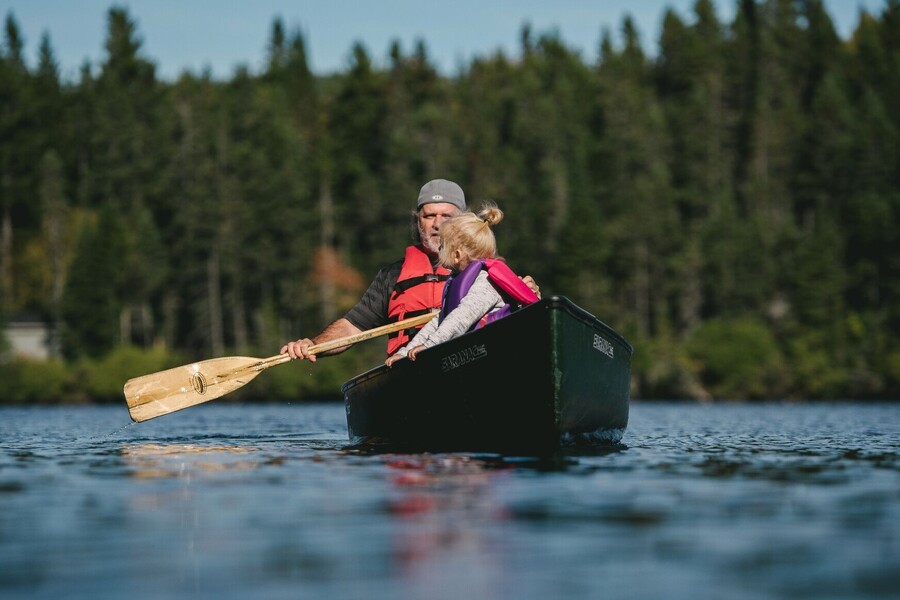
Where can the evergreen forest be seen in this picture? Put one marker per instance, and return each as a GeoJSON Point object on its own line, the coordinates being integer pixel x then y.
{"type": "Point", "coordinates": [730, 203]}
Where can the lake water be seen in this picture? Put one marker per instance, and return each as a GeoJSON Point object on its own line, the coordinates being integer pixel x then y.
{"type": "Point", "coordinates": [731, 501]}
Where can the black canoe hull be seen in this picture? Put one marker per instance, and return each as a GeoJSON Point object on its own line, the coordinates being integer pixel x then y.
{"type": "Point", "coordinates": [547, 376]}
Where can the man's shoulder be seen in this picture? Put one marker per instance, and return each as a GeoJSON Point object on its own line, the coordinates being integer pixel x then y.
{"type": "Point", "coordinates": [371, 310]}
{"type": "Point", "coordinates": [391, 271]}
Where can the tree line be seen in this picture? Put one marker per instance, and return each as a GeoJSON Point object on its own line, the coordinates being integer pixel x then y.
{"type": "Point", "coordinates": [730, 204]}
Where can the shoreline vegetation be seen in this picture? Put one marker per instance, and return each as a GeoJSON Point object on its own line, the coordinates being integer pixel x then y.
{"type": "Point", "coordinates": [729, 205]}
{"type": "Point", "coordinates": [100, 381]}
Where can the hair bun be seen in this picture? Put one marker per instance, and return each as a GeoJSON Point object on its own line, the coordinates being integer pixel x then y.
{"type": "Point", "coordinates": [491, 214]}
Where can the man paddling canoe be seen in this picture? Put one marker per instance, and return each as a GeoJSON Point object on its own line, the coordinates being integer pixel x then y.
{"type": "Point", "coordinates": [408, 287]}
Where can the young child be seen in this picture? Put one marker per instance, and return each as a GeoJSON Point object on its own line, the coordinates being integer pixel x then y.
{"type": "Point", "coordinates": [481, 289]}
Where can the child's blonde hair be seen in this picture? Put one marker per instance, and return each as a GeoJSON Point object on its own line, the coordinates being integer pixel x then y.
{"type": "Point", "coordinates": [470, 233]}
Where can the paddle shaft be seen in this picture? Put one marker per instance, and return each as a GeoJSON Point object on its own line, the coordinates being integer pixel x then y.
{"type": "Point", "coordinates": [349, 340]}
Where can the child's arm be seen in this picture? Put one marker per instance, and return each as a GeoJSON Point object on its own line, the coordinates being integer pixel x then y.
{"type": "Point", "coordinates": [479, 301]}
{"type": "Point", "coordinates": [423, 333]}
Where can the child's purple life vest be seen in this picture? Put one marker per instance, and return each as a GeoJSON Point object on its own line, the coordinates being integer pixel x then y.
{"type": "Point", "coordinates": [510, 287]}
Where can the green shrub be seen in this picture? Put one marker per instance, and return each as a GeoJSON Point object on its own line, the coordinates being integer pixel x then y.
{"type": "Point", "coordinates": [101, 380]}
{"type": "Point", "coordinates": [737, 359]}
{"type": "Point", "coordinates": [892, 362]}
{"type": "Point", "coordinates": [659, 371]}
{"type": "Point", "coordinates": [27, 381]}
{"type": "Point", "coordinates": [816, 373]}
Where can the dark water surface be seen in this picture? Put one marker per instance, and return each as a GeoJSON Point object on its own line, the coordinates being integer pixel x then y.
{"type": "Point", "coordinates": [223, 501]}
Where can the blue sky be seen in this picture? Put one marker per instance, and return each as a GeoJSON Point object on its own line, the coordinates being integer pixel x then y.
{"type": "Point", "coordinates": [190, 35]}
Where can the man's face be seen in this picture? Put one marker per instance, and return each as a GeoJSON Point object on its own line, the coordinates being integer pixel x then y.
{"type": "Point", "coordinates": [431, 216]}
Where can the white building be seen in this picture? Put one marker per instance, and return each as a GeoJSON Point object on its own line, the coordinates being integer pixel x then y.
{"type": "Point", "coordinates": [28, 337]}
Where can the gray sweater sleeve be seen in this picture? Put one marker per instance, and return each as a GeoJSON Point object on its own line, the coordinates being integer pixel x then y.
{"type": "Point", "coordinates": [481, 299]}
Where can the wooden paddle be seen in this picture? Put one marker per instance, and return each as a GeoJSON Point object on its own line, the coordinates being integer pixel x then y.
{"type": "Point", "coordinates": [164, 392]}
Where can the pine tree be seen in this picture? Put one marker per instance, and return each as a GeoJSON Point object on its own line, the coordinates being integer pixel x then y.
{"type": "Point", "coordinates": [552, 134]}
{"type": "Point", "coordinates": [91, 305]}
{"type": "Point", "coordinates": [128, 164]}
{"type": "Point", "coordinates": [356, 127]}
{"type": "Point", "coordinates": [690, 78]}
{"type": "Point", "coordinates": [634, 192]}
{"type": "Point", "coordinates": [16, 158]}
{"type": "Point", "coordinates": [418, 146]}
{"type": "Point", "coordinates": [55, 214]}
{"type": "Point", "coordinates": [295, 96]}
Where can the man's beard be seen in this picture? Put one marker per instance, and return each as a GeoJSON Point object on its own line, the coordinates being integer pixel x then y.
{"type": "Point", "coordinates": [432, 244]}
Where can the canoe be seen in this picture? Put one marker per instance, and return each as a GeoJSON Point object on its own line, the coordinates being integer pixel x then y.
{"type": "Point", "coordinates": [548, 376]}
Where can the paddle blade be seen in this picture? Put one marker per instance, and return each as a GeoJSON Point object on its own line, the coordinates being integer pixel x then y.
{"type": "Point", "coordinates": [165, 392]}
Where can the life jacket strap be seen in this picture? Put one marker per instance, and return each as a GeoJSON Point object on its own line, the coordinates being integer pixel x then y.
{"type": "Point", "coordinates": [404, 285]}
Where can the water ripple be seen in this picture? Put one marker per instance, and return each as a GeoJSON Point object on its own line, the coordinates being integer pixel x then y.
{"type": "Point", "coordinates": [723, 501]}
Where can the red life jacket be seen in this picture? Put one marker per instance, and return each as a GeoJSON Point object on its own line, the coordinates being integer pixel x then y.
{"type": "Point", "coordinates": [419, 289]}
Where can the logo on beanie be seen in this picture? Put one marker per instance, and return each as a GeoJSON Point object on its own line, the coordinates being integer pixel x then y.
{"type": "Point", "coordinates": [437, 197]}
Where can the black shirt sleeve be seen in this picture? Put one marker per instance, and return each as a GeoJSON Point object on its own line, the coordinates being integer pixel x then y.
{"type": "Point", "coordinates": [372, 309]}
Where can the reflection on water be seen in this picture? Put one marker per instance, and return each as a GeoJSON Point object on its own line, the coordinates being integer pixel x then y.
{"type": "Point", "coordinates": [442, 508]}
{"type": "Point", "coordinates": [733, 501]}
{"type": "Point", "coordinates": [180, 460]}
